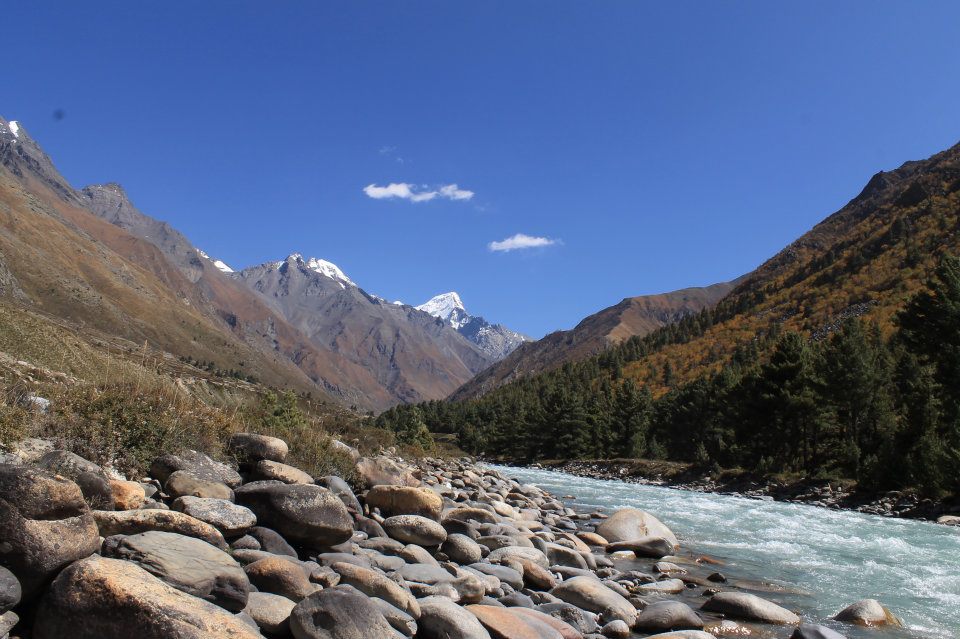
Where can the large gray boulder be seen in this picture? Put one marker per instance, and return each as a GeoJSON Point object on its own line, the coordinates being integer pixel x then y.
{"type": "Point", "coordinates": [45, 524]}
{"type": "Point", "coordinates": [197, 464]}
{"type": "Point", "coordinates": [182, 483]}
{"type": "Point", "coordinates": [743, 605]}
{"type": "Point", "coordinates": [591, 594]}
{"type": "Point", "coordinates": [414, 529]}
{"type": "Point", "coordinates": [405, 500]}
{"type": "Point", "coordinates": [339, 613]}
{"type": "Point", "coordinates": [187, 564]}
{"type": "Point", "coordinates": [628, 524]}
{"type": "Point", "coordinates": [132, 522]}
{"type": "Point", "coordinates": [99, 598]}
{"type": "Point", "coordinates": [441, 618]}
{"type": "Point", "coordinates": [509, 554]}
{"type": "Point", "coordinates": [224, 515]}
{"type": "Point", "coordinates": [309, 515]}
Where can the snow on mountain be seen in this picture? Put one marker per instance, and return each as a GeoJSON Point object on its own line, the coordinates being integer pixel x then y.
{"type": "Point", "coordinates": [220, 264]}
{"type": "Point", "coordinates": [448, 307]}
{"type": "Point", "coordinates": [323, 267]}
{"type": "Point", "coordinates": [329, 269]}
{"type": "Point", "coordinates": [15, 128]}
{"type": "Point", "coordinates": [495, 340]}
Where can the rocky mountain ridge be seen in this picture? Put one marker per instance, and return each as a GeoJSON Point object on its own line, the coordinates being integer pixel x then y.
{"type": "Point", "coordinates": [410, 354]}
{"type": "Point", "coordinates": [496, 340]}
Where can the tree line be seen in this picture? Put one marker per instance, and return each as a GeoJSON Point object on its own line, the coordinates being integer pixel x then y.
{"type": "Point", "coordinates": [883, 410]}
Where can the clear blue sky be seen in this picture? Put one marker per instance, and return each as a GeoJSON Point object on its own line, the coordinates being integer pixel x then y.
{"type": "Point", "coordinates": [660, 145]}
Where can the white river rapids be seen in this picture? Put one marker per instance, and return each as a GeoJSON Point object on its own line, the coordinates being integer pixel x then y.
{"type": "Point", "coordinates": [823, 559]}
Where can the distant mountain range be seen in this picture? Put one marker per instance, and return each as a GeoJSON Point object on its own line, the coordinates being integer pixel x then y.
{"type": "Point", "coordinates": [91, 256]}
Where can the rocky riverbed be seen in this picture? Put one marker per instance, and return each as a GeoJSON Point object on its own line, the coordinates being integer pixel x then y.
{"type": "Point", "coordinates": [826, 494]}
{"type": "Point", "coordinates": [436, 549]}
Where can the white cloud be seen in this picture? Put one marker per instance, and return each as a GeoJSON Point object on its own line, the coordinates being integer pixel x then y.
{"type": "Point", "coordinates": [413, 193]}
{"type": "Point", "coordinates": [454, 192]}
{"type": "Point", "coordinates": [520, 241]}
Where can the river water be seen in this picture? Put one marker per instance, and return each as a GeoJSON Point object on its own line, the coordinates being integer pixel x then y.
{"type": "Point", "coordinates": [827, 558]}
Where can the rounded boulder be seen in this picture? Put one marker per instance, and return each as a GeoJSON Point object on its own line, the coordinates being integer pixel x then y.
{"type": "Point", "coordinates": [99, 598]}
{"type": "Point", "coordinates": [628, 524]}
{"type": "Point", "coordinates": [414, 529]}
{"type": "Point", "coordinates": [868, 612]}
{"type": "Point", "coordinates": [307, 514]}
{"type": "Point", "coordinates": [188, 564]}
{"type": "Point", "coordinates": [45, 524]}
{"type": "Point", "coordinates": [405, 500]}
{"type": "Point", "coordinates": [340, 612]}
{"type": "Point", "coordinates": [743, 605]}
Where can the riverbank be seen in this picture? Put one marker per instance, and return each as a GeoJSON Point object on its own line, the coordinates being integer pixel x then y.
{"type": "Point", "coordinates": [251, 546]}
{"type": "Point", "coordinates": [838, 495]}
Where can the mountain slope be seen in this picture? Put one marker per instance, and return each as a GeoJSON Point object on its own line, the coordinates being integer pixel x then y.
{"type": "Point", "coordinates": [240, 308]}
{"type": "Point", "coordinates": [634, 316]}
{"type": "Point", "coordinates": [496, 340]}
{"type": "Point", "coordinates": [65, 263]}
{"type": "Point", "coordinates": [410, 354]}
{"type": "Point", "coordinates": [344, 342]}
{"type": "Point", "coordinates": [864, 260]}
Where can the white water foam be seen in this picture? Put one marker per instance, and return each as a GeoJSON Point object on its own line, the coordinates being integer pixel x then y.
{"type": "Point", "coordinates": [839, 557]}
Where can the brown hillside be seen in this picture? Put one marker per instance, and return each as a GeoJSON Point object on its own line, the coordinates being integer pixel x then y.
{"type": "Point", "coordinates": [634, 316]}
{"type": "Point", "coordinates": [865, 259]}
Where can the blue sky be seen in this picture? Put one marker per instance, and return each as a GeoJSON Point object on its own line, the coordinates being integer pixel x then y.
{"type": "Point", "coordinates": [650, 146]}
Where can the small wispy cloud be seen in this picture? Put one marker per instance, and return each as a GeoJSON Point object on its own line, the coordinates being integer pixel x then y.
{"type": "Point", "coordinates": [391, 152]}
{"type": "Point", "coordinates": [414, 193]}
{"type": "Point", "coordinates": [521, 241]}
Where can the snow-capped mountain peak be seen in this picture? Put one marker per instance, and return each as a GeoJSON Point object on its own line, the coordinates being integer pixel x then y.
{"type": "Point", "coordinates": [220, 264]}
{"type": "Point", "coordinates": [15, 128]}
{"type": "Point", "coordinates": [447, 306]}
{"type": "Point", "coordinates": [329, 269]}
{"type": "Point", "coordinates": [494, 339]}
{"type": "Point", "coordinates": [323, 267]}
